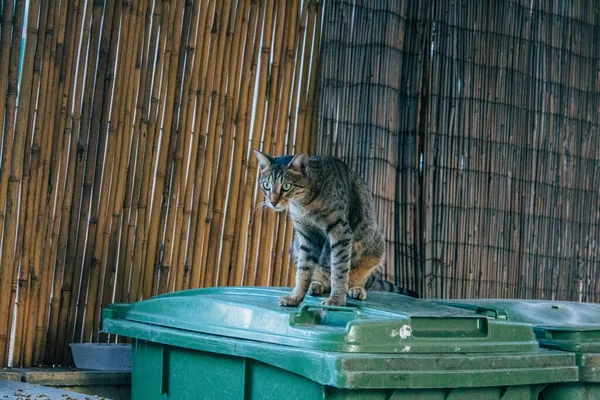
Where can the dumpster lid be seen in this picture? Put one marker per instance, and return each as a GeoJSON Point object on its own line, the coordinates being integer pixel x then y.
{"type": "Point", "coordinates": [384, 323]}
{"type": "Point", "coordinates": [562, 325]}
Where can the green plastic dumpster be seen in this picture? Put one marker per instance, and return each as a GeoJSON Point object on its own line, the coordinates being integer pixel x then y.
{"type": "Point", "coordinates": [561, 325]}
{"type": "Point", "coordinates": [237, 343]}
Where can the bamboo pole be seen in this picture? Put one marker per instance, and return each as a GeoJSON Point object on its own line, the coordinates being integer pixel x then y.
{"type": "Point", "coordinates": [121, 205]}
{"type": "Point", "coordinates": [7, 139]}
{"type": "Point", "coordinates": [143, 147]}
{"type": "Point", "coordinates": [279, 141]}
{"type": "Point", "coordinates": [116, 197]}
{"type": "Point", "coordinates": [216, 229]}
{"type": "Point", "coordinates": [138, 147]}
{"type": "Point", "coordinates": [303, 106]}
{"type": "Point", "coordinates": [92, 274]}
{"type": "Point", "coordinates": [169, 203]}
{"type": "Point", "coordinates": [278, 251]}
{"type": "Point", "coordinates": [67, 81]}
{"type": "Point", "coordinates": [122, 186]}
{"type": "Point", "coordinates": [111, 172]}
{"type": "Point", "coordinates": [10, 175]}
{"type": "Point", "coordinates": [310, 128]}
{"type": "Point", "coordinates": [191, 274]}
{"type": "Point", "coordinates": [206, 145]}
{"type": "Point", "coordinates": [29, 182]}
{"type": "Point", "coordinates": [190, 83]}
{"type": "Point", "coordinates": [220, 175]}
{"type": "Point", "coordinates": [25, 223]}
{"type": "Point", "coordinates": [157, 276]}
{"type": "Point", "coordinates": [209, 122]}
{"type": "Point", "coordinates": [148, 126]}
{"type": "Point", "coordinates": [5, 35]}
{"type": "Point", "coordinates": [36, 272]}
{"type": "Point", "coordinates": [153, 247]}
{"type": "Point", "coordinates": [121, 168]}
{"type": "Point", "coordinates": [265, 244]}
{"type": "Point", "coordinates": [240, 236]}
{"type": "Point", "coordinates": [240, 146]}
{"type": "Point", "coordinates": [86, 151]}
{"type": "Point", "coordinates": [91, 180]}
{"type": "Point", "coordinates": [250, 264]}
{"type": "Point", "coordinates": [169, 94]}
{"type": "Point", "coordinates": [40, 268]}
{"type": "Point", "coordinates": [167, 276]}
{"type": "Point", "coordinates": [26, 200]}
{"type": "Point", "coordinates": [183, 144]}
{"type": "Point", "coordinates": [198, 33]}
{"type": "Point", "coordinates": [215, 125]}
{"type": "Point", "coordinates": [302, 142]}
{"type": "Point", "coordinates": [60, 282]}
{"type": "Point", "coordinates": [294, 141]}
{"type": "Point", "coordinates": [35, 196]}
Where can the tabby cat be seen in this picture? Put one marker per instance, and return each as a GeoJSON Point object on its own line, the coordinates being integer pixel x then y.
{"type": "Point", "coordinates": [338, 246]}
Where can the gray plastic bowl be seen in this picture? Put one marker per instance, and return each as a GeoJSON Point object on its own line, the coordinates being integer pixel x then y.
{"type": "Point", "coordinates": [102, 356]}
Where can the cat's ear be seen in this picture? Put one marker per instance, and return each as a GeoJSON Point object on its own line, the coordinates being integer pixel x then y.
{"type": "Point", "coordinates": [299, 163]}
{"type": "Point", "coordinates": [264, 161]}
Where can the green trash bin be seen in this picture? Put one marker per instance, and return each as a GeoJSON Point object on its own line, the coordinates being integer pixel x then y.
{"type": "Point", "coordinates": [561, 325]}
{"type": "Point", "coordinates": [237, 343]}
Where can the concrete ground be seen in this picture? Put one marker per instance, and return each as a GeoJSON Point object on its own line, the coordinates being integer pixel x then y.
{"type": "Point", "coordinates": [14, 390]}
{"type": "Point", "coordinates": [65, 383]}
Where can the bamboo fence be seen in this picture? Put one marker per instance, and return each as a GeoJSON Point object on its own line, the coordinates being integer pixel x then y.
{"type": "Point", "coordinates": [370, 82]}
{"type": "Point", "coordinates": [127, 129]}
{"type": "Point", "coordinates": [126, 168]}
{"type": "Point", "coordinates": [511, 152]}
{"type": "Point", "coordinates": [476, 125]}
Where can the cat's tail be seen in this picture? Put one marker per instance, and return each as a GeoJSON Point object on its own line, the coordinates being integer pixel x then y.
{"type": "Point", "coordinates": [382, 285]}
{"type": "Point", "coordinates": [378, 284]}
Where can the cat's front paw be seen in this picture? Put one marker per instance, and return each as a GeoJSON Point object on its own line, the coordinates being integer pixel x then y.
{"type": "Point", "coordinates": [358, 293]}
{"type": "Point", "coordinates": [315, 288]}
{"type": "Point", "coordinates": [335, 301]}
{"type": "Point", "coordinates": [289, 301]}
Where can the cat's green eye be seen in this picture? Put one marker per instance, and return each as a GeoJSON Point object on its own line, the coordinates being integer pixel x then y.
{"type": "Point", "coordinates": [286, 187]}
{"type": "Point", "coordinates": [266, 185]}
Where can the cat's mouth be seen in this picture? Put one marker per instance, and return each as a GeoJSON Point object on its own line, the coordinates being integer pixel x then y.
{"type": "Point", "coordinates": [278, 207]}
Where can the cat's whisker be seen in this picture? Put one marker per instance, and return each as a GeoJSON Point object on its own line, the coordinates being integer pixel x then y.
{"type": "Point", "coordinates": [262, 204]}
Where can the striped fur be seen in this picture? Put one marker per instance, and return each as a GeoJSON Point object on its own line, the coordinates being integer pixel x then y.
{"type": "Point", "coordinates": [338, 247]}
